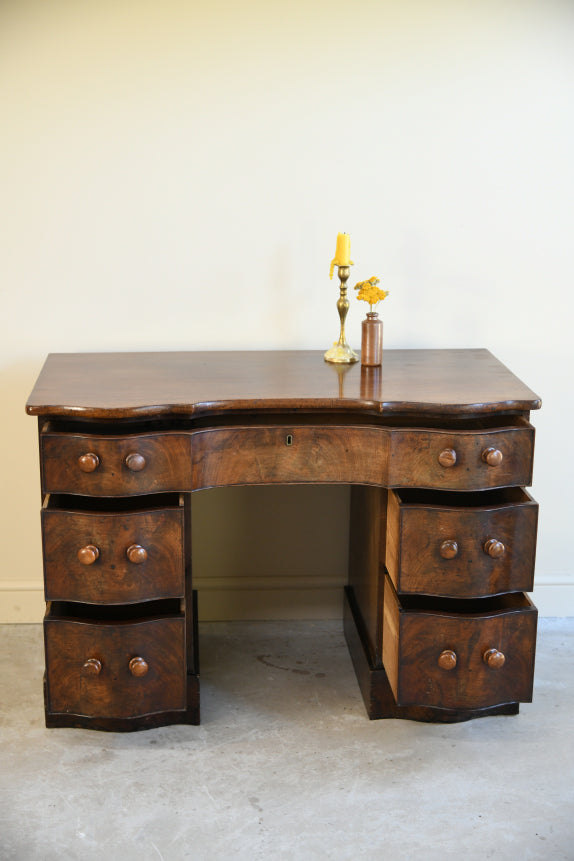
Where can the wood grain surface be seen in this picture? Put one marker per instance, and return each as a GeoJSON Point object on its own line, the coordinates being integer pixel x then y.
{"type": "Point", "coordinates": [136, 385]}
{"type": "Point", "coordinates": [288, 455]}
{"type": "Point", "coordinates": [167, 463]}
{"type": "Point", "coordinates": [113, 578]}
{"type": "Point", "coordinates": [114, 692]}
{"type": "Point", "coordinates": [418, 525]}
{"type": "Point", "coordinates": [414, 639]}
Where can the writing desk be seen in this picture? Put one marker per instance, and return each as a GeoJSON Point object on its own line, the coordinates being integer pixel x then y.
{"type": "Point", "coordinates": [436, 445]}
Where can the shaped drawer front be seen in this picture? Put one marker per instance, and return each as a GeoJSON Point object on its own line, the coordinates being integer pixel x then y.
{"type": "Point", "coordinates": [461, 545]}
{"type": "Point", "coordinates": [116, 670]}
{"type": "Point", "coordinates": [462, 459]}
{"type": "Point", "coordinates": [115, 465]}
{"type": "Point", "coordinates": [113, 557]}
{"type": "Point", "coordinates": [455, 659]}
{"type": "Point", "coordinates": [288, 454]}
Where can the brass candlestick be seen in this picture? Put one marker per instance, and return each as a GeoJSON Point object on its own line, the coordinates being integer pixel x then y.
{"type": "Point", "coordinates": [341, 352]}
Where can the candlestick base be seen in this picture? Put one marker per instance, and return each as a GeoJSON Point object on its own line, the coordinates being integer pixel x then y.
{"type": "Point", "coordinates": [341, 354]}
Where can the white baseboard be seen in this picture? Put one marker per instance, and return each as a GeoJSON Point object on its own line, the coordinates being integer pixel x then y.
{"type": "Point", "coordinates": [554, 599]}
{"type": "Point", "coordinates": [260, 598]}
{"type": "Point", "coordinates": [21, 602]}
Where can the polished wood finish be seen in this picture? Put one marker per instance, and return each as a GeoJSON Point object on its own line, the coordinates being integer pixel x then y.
{"type": "Point", "coordinates": [494, 548]}
{"type": "Point", "coordinates": [422, 529]}
{"type": "Point", "coordinates": [288, 454]}
{"type": "Point", "coordinates": [92, 666]}
{"type": "Point", "coordinates": [136, 554]}
{"type": "Point", "coordinates": [494, 658]}
{"type": "Point", "coordinates": [191, 715]}
{"type": "Point", "coordinates": [113, 576]}
{"type": "Point", "coordinates": [447, 457]}
{"type": "Point", "coordinates": [447, 659]}
{"type": "Point", "coordinates": [448, 549]}
{"type": "Point", "coordinates": [415, 458]}
{"type": "Point", "coordinates": [492, 456]}
{"type": "Point", "coordinates": [436, 446]}
{"type": "Point", "coordinates": [138, 385]}
{"type": "Point", "coordinates": [115, 691]}
{"type": "Point", "coordinates": [135, 461]}
{"type": "Point", "coordinates": [89, 554]}
{"type": "Point", "coordinates": [88, 462]}
{"type": "Point", "coordinates": [138, 667]}
{"type": "Point", "coordinates": [366, 550]}
{"type": "Point", "coordinates": [376, 690]}
{"type": "Point", "coordinates": [393, 457]}
{"type": "Point", "coordinates": [416, 637]}
{"type": "Point", "coordinates": [167, 457]}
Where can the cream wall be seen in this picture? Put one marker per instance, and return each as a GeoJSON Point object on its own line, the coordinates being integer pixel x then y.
{"type": "Point", "coordinates": [173, 175]}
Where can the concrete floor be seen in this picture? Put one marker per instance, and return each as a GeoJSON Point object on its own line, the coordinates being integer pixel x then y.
{"type": "Point", "coordinates": [286, 764]}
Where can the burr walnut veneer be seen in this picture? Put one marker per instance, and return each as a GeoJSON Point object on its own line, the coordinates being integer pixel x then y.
{"type": "Point", "coordinates": [436, 445]}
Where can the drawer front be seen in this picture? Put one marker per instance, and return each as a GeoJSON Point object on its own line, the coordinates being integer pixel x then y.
{"type": "Point", "coordinates": [270, 455]}
{"type": "Point", "coordinates": [461, 460]}
{"type": "Point", "coordinates": [115, 670]}
{"type": "Point", "coordinates": [461, 552]}
{"type": "Point", "coordinates": [459, 661]}
{"type": "Point", "coordinates": [113, 558]}
{"type": "Point", "coordinates": [115, 466]}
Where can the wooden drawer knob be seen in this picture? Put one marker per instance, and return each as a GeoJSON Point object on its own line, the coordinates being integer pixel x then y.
{"type": "Point", "coordinates": [447, 660]}
{"type": "Point", "coordinates": [135, 461]}
{"type": "Point", "coordinates": [447, 457]}
{"type": "Point", "coordinates": [88, 462]}
{"type": "Point", "coordinates": [87, 555]}
{"type": "Point", "coordinates": [136, 554]}
{"type": "Point", "coordinates": [492, 456]}
{"type": "Point", "coordinates": [493, 658]}
{"type": "Point", "coordinates": [92, 667]}
{"type": "Point", "coordinates": [494, 548]}
{"type": "Point", "coordinates": [138, 667]}
{"type": "Point", "coordinates": [449, 549]}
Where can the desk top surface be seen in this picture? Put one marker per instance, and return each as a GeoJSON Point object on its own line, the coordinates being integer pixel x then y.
{"type": "Point", "coordinates": [146, 385]}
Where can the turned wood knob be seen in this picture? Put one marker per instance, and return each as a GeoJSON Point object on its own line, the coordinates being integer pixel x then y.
{"type": "Point", "coordinates": [493, 658]}
{"type": "Point", "coordinates": [492, 456]}
{"type": "Point", "coordinates": [92, 666]}
{"type": "Point", "coordinates": [88, 462]}
{"type": "Point", "coordinates": [135, 461]}
{"type": "Point", "coordinates": [447, 457]}
{"type": "Point", "coordinates": [87, 555]}
{"type": "Point", "coordinates": [447, 660]}
{"type": "Point", "coordinates": [136, 554]}
{"type": "Point", "coordinates": [494, 548]}
{"type": "Point", "coordinates": [138, 667]}
{"type": "Point", "coordinates": [449, 549]}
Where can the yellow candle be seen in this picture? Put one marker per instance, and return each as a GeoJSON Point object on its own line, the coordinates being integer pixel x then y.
{"type": "Point", "coordinates": [342, 253]}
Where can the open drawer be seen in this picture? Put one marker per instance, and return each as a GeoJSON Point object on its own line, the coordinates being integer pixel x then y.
{"type": "Point", "coordinates": [125, 666]}
{"type": "Point", "coordinates": [459, 654]}
{"type": "Point", "coordinates": [123, 553]}
{"type": "Point", "coordinates": [461, 545]}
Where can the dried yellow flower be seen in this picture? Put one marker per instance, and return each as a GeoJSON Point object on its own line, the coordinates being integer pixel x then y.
{"type": "Point", "coordinates": [369, 292]}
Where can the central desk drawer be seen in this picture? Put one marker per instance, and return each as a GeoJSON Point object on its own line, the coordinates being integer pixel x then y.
{"type": "Point", "coordinates": [288, 454]}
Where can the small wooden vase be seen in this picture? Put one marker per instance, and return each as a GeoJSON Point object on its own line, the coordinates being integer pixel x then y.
{"type": "Point", "coordinates": [372, 340]}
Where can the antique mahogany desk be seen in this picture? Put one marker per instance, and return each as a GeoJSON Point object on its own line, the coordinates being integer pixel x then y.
{"type": "Point", "coordinates": [436, 445]}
